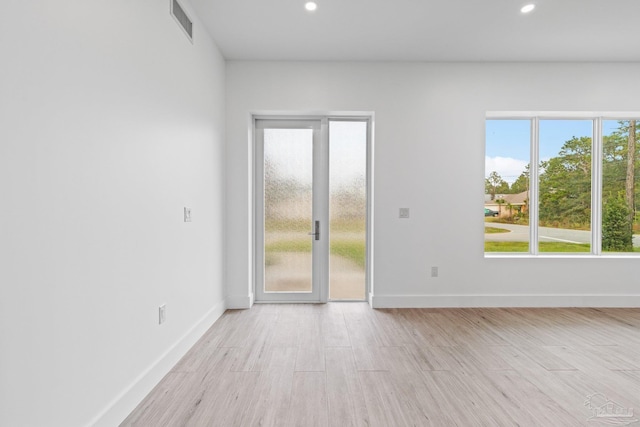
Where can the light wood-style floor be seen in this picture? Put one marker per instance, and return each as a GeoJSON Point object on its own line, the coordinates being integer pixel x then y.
{"type": "Point", "coordinates": [344, 364]}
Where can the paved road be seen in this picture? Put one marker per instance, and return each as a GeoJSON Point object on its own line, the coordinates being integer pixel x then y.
{"type": "Point", "coordinates": [520, 233]}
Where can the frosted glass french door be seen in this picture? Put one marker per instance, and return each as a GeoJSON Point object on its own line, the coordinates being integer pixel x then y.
{"type": "Point", "coordinates": [311, 209]}
{"type": "Point", "coordinates": [291, 210]}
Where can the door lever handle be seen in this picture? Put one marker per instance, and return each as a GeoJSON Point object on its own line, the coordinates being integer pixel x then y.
{"type": "Point", "coordinates": [316, 233]}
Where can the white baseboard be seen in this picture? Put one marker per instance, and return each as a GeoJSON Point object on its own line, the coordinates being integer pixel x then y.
{"type": "Point", "coordinates": [239, 301]}
{"type": "Point", "coordinates": [120, 407]}
{"type": "Point", "coordinates": [427, 301]}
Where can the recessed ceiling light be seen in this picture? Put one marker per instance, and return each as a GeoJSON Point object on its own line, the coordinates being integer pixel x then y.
{"type": "Point", "coordinates": [528, 8]}
{"type": "Point", "coordinates": [310, 6]}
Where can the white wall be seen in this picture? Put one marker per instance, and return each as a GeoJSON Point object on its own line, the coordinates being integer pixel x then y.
{"type": "Point", "coordinates": [429, 153]}
{"type": "Point", "coordinates": [111, 122]}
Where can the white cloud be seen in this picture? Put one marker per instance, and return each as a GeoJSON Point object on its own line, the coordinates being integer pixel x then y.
{"type": "Point", "coordinates": [508, 168]}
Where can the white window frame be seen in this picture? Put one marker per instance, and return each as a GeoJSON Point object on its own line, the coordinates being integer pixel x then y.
{"type": "Point", "coordinates": [596, 178]}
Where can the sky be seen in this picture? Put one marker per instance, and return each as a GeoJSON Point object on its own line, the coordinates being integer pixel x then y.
{"type": "Point", "coordinates": [508, 142]}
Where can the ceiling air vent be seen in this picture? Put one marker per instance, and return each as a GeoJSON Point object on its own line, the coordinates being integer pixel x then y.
{"type": "Point", "coordinates": [179, 14]}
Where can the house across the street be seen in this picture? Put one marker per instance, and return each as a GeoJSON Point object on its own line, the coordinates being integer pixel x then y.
{"type": "Point", "coordinates": [507, 204]}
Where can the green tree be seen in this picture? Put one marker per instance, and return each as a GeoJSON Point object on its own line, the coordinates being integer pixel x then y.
{"type": "Point", "coordinates": [631, 170]}
{"type": "Point", "coordinates": [494, 184]}
{"type": "Point", "coordinates": [500, 202]}
{"type": "Point", "coordinates": [617, 235]}
{"type": "Point", "coordinates": [503, 188]}
{"type": "Point", "coordinates": [522, 183]}
{"type": "Point", "coordinates": [621, 165]}
{"type": "Point", "coordinates": [565, 186]}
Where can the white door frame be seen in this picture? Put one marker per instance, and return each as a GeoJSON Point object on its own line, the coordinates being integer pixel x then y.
{"type": "Point", "coordinates": [321, 265]}
{"type": "Point", "coordinates": [320, 211]}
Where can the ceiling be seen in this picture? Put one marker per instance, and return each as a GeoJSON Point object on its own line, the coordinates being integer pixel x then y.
{"type": "Point", "coordinates": [424, 30]}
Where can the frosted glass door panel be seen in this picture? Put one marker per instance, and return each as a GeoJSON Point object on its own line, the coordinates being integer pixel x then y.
{"type": "Point", "coordinates": [347, 209]}
{"type": "Point", "coordinates": [288, 210]}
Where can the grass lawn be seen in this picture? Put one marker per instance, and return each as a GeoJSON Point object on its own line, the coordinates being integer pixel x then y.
{"type": "Point", "coordinates": [543, 247]}
{"type": "Point", "coordinates": [301, 225]}
{"type": "Point", "coordinates": [302, 245]}
{"type": "Point", "coordinates": [494, 230]}
{"type": "Point", "coordinates": [351, 249]}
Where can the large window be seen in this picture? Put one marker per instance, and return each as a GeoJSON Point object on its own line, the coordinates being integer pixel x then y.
{"type": "Point", "coordinates": [582, 196]}
{"type": "Point", "coordinates": [564, 185]}
{"type": "Point", "coordinates": [507, 185]}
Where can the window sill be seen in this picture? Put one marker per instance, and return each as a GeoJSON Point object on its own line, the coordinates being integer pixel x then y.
{"type": "Point", "coordinates": [498, 255]}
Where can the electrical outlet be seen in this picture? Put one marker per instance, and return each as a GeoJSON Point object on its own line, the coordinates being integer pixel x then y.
{"type": "Point", "coordinates": [187, 214]}
{"type": "Point", "coordinates": [162, 314]}
{"type": "Point", "coordinates": [434, 271]}
{"type": "Point", "coordinates": [404, 213]}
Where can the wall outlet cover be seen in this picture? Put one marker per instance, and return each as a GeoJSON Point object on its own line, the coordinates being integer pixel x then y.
{"type": "Point", "coordinates": [162, 314]}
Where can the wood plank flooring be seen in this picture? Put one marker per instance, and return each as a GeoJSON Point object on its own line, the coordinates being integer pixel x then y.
{"type": "Point", "coordinates": [344, 364]}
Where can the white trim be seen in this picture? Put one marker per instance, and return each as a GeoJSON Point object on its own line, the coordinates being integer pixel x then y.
{"type": "Point", "coordinates": [325, 117]}
{"type": "Point", "coordinates": [560, 255]}
{"type": "Point", "coordinates": [301, 115]}
{"type": "Point", "coordinates": [236, 302]}
{"type": "Point", "coordinates": [251, 203]}
{"type": "Point", "coordinates": [369, 277]}
{"type": "Point", "coordinates": [290, 302]}
{"type": "Point", "coordinates": [629, 115]}
{"type": "Point", "coordinates": [505, 300]}
{"type": "Point", "coordinates": [320, 192]}
{"type": "Point", "coordinates": [321, 210]}
{"type": "Point", "coordinates": [534, 177]}
{"type": "Point", "coordinates": [597, 150]}
{"type": "Point", "coordinates": [126, 401]}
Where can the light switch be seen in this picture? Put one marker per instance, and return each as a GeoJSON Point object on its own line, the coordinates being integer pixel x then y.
{"type": "Point", "coordinates": [187, 214]}
{"type": "Point", "coordinates": [404, 212]}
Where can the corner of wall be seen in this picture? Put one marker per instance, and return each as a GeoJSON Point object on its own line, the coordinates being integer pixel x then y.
{"type": "Point", "coordinates": [239, 302]}
{"type": "Point", "coordinates": [118, 409]}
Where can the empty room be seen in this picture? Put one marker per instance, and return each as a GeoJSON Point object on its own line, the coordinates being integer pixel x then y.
{"type": "Point", "coordinates": [267, 213]}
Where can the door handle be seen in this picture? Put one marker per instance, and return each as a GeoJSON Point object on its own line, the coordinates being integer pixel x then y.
{"type": "Point", "coordinates": [316, 233]}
